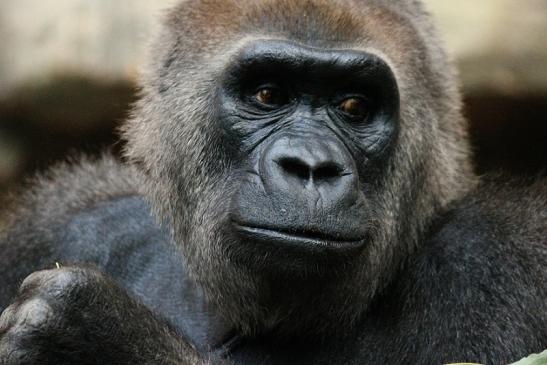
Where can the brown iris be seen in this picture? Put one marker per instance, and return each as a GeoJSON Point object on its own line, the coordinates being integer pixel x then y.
{"type": "Point", "coordinates": [270, 96]}
{"type": "Point", "coordinates": [355, 107]}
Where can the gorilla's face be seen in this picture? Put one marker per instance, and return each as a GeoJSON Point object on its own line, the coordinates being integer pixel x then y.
{"type": "Point", "coordinates": [298, 150]}
{"type": "Point", "coordinates": [309, 131]}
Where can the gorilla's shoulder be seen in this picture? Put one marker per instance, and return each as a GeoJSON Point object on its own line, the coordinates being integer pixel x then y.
{"type": "Point", "coordinates": [88, 211]}
{"type": "Point", "coordinates": [476, 287]}
{"type": "Point", "coordinates": [85, 204]}
{"type": "Point", "coordinates": [488, 251]}
{"type": "Point", "coordinates": [91, 213]}
{"type": "Point", "coordinates": [501, 213]}
{"type": "Point", "coordinates": [70, 187]}
{"type": "Point", "coordinates": [498, 227]}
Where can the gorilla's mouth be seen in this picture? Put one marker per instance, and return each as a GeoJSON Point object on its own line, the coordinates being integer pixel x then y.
{"type": "Point", "coordinates": [302, 238]}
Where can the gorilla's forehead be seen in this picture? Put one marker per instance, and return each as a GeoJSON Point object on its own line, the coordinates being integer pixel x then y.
{"type": "Point", "coordinates": [321, 23]}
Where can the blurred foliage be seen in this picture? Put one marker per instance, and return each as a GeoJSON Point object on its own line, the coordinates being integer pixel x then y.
{"type": "Point", "coordinates": [536, 359]}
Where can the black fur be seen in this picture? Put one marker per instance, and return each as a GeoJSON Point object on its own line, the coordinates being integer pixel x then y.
{"type": "Point", "coordinates": [442, 266]}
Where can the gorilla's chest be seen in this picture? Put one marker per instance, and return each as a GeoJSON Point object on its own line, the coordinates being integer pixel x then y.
{"type": "Point", "coordinates": [122, 238]}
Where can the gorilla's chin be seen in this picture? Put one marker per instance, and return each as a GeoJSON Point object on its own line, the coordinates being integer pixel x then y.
{"type": "Point", "coordinates": [285, 281]}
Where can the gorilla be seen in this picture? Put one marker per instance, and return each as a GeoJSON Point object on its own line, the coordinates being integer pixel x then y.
{"type": "Point", "coordinates": [297, 189]}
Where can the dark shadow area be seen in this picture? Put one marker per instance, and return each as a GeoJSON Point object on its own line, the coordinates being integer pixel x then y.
{"type": "Point", "coordinates": [49, 122]}
{"type": "Point", "coordinates": [509, 132]}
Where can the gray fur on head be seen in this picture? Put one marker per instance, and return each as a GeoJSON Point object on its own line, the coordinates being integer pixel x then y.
{"type": "Point", "coordinates": [173, 138]}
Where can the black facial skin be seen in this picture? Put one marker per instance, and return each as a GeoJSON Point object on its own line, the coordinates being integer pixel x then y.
{"type": "Point", "coordinates": [310, 128]}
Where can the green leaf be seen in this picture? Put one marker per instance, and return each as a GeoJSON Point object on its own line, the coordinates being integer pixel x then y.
{"type": "Point", "coordinates": [536, 359]}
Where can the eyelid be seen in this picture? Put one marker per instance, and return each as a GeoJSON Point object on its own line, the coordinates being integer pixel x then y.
{"type": "Point", "coordinates": [339, 101]}
{"type": "Point", "coordinates": [269, 85]}
{"type": "Point", "coordinates": [345, 96]}
{"type": "Point", "coordinates": [340, 96]}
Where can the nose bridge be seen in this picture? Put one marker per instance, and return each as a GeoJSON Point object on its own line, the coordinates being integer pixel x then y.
{"type": "Point", "coordinates": [312, 149]}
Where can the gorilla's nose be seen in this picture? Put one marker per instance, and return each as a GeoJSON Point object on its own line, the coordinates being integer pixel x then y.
{"type": "Point", "coordinates": [300, 168]}
{"type": "Point", "coordinates": [309, 166]}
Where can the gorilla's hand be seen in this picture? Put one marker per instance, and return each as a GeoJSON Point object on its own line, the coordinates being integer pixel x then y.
{"type": "Point", "coordinates": [79, 316]}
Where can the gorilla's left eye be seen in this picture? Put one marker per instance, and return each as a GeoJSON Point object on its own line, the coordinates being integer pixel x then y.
{"type": "Point", "coordinates": [355, 107]}
{"type": "Point", "coordinates": [270, 96]}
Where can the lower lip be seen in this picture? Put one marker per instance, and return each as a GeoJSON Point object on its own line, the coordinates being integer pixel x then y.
{"type": "Point", "coordinates": [296, 241]}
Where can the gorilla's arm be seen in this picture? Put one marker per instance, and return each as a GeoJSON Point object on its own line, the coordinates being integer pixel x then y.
{"type": "Point", "coordinates": [476, 291]}
{"type": "Point", "coordinates": [90, 215]}
{"type": "Point", "coordinates": [79, 316]}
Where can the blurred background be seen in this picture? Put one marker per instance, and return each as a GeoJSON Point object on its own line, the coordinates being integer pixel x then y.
{"type": "Point", "coordinates": [68, 70]}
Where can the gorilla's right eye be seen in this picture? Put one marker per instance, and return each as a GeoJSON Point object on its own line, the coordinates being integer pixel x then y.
{"type": "Point", "coordinates": [270, 96]}
{"type": "Point", "coordinates": [355, 107]}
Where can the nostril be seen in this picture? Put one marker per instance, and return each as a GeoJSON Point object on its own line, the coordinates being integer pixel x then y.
{"type": "Point", "coordinates": [327, 171]}
{"type": "Point", "coordinates": [295, 167]}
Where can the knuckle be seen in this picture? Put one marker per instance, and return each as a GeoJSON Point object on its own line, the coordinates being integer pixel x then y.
{"type": "Point", "coordinates": [20, 326]}
{"type": "Point", "coordinates": [26, 317]}
{"type": "Point", "coordinates": [31, 281]}
{"type": "Point", "coordinates": [7, 318]}
{"type": "Point", "coordinates": [39, 311]}
{"type": "Point", "coordinates": [57, 282]}
{"type": "Point", "coordinates": [15, 349]}
{"type": "Point", "coordinates": [33, 314]}
{"type": "Point", "coordinates": [10, 354]}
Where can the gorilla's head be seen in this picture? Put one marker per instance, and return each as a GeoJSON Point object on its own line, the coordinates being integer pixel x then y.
{"type": "Point", "coordinates": [298, 150]}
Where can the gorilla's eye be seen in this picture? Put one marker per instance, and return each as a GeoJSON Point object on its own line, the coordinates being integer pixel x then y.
{"type": "Point", "coordinates": [355, 107]}
{"type": "Point", "coordinates": [270, 96]}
